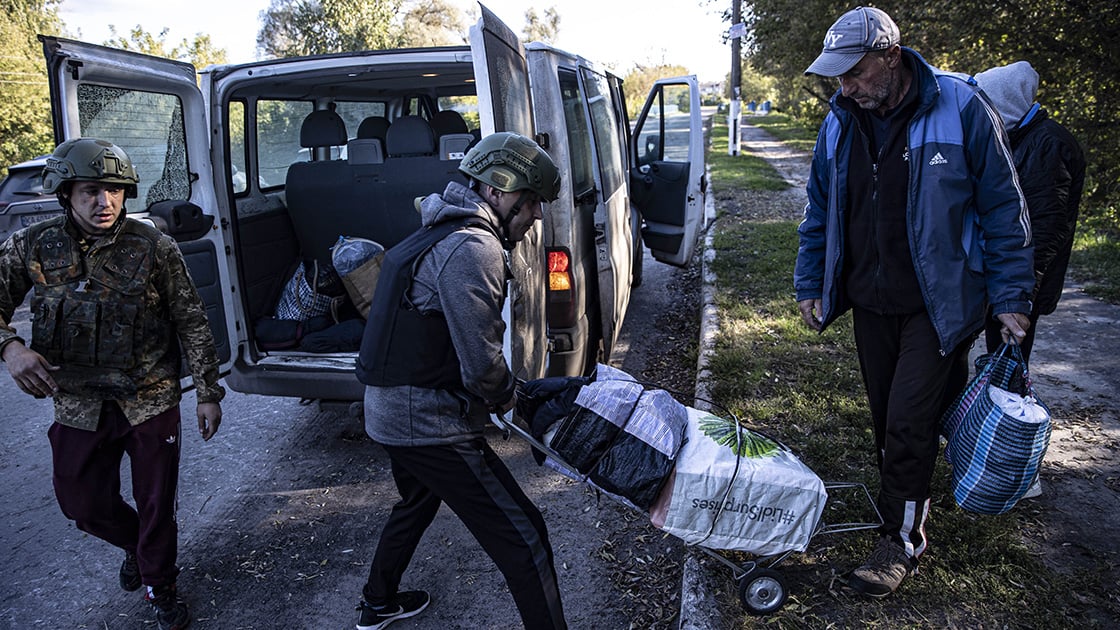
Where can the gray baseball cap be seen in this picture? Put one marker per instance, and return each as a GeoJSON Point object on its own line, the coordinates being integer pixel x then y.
{"type": "Point", "coordinates": [856, 33]}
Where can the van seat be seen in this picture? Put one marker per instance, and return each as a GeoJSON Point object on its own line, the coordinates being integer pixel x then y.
{"type": "Point", "coordinates": [453, 146]}
{"type": "Point", "coordinates": [373, 127]}
{"type": "Point", "coordinates": [410, 136]}
{"type": "Point", "coordinates": [322, 128]}
{"type": "Point", "coordinates": [364, 151]}
{"type": "Point", "coordinates": [447, 121]}
{"type": "Point", "coordinates": [317, 193]}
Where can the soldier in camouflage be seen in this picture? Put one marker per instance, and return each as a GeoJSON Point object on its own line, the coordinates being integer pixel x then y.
{"type": "Point", "coordinates": [112, 304]}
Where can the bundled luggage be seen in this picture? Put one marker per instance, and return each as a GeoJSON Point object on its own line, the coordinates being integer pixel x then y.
{"type": "Point", "coordinates": [702, 478]}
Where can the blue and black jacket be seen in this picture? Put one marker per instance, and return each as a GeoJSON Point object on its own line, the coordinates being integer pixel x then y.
{"type": "Point", "coordinates": [967, 220]}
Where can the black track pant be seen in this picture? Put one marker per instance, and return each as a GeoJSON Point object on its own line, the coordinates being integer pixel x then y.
{"type": "Point", "coordinates": [474, 482]}
{"type": "Point", "coordinates": [909, 386]}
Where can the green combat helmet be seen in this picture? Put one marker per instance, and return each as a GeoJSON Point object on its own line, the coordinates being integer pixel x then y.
{"type": "Point", "coordinates": [511, 162]}
{"type": "Point", "coordinates": [90, 160]}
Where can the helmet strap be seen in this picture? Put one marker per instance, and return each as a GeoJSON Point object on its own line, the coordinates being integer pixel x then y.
{"type": "Point", "coordinates": [504, 222]}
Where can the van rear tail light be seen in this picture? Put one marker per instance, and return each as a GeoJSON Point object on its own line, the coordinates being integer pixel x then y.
{"type": "Point", "coordinates": [561, 305]}
{"type": "Point", "coordinates": [559, 278]}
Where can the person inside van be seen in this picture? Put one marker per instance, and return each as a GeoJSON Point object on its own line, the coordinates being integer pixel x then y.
{"type": "Point", "coordinates": [432, 360]}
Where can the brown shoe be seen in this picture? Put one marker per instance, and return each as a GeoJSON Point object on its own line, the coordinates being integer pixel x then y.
{"type": "Point", "coordinates": [883, 572]}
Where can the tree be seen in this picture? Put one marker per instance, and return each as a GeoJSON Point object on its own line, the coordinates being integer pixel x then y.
{"type": "Point", "coordinates": [25, 125]}
{"type": "Point", "coordinates": [1071, 43]}
{"type": "Point", "coordinates": [292, 28]}
{"type": "Point", "coordinates": [433, 23]}
{"type": "Point", "coordinates": [541, 28]}
{"type": "Point", "coordinates": [200, 52]}
{"type": "Point", "coordinates": [639, 81]}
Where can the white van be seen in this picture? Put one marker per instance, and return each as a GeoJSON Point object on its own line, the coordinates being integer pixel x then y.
{"type": "Point", "coordinates": [245, 176]}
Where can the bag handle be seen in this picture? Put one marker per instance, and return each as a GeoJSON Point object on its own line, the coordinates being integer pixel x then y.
{"type": "Point", "coordinates": [1017, 355]}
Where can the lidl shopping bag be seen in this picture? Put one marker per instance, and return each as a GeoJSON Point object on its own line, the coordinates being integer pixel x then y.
{"type": "Point", "coordinates": [998, 447]}
{"type": "Point", "coordinates": [734, 489]}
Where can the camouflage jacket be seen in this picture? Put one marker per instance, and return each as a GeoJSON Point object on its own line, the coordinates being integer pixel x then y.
{"type": "Point", "coordinates": [112, 314]}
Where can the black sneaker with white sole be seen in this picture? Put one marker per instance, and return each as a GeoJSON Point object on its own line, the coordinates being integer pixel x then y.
{"type": "Point", "coordinates": [171, 613]}
{"type": "Point", "coordinates": [408, 604]}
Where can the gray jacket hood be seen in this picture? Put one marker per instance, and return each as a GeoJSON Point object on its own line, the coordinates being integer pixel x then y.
{"type": "Point", "coordinates": [456, 201]}
{"type": "Point", "coordinates": [1011, 89]}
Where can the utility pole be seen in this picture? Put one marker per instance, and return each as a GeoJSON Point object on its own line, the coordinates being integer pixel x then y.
{"type": "Point", "coordinates": [734, 117]}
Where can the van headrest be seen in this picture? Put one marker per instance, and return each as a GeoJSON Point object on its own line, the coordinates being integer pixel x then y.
{"type": "Point", "coordinates": [410, 136]}
{"type": "Point", "coordinates": [448, 121]}
{"type": "Point", "coordinates": [373, 127]}
{"type": "Point", "coordinates": [322, 128]}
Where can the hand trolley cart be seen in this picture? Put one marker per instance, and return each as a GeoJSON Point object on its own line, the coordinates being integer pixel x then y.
{"type": "Point", "coordinates": [703, 478]}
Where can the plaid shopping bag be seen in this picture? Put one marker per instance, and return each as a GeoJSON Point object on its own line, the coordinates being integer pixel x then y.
{"type": "Point", "coordinates": [999, 368]}
{"type": "Point", "coordinates": [995, 454]}
{"type": "Point", "coordinates": [304, 298]}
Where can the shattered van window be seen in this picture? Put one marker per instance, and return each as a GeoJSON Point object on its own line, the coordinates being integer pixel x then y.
{"type": "Point", "coordinates": [149, 127]}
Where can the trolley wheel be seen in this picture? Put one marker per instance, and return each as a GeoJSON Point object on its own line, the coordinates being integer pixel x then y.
{"type": "Point", "coordinates": [762, 591]}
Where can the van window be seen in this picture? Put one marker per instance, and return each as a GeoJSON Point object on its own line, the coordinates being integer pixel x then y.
{"type": "Point", "coordinates": [237, 155]}
{"type": "Point", "coordinates": [278, 124]}
{"type": "Point", "coordinates": [510, 96]}
{"type": "Point", "coordinates": [665, 132]}
{"type": "Point", "coordinates": [149, 127]}
{"type": "Point", "coordinates": [579, 135]}
{"type": "Point", "coordinates": [605, 126]}
{"type": "Point", "coordinates": [354, 112]}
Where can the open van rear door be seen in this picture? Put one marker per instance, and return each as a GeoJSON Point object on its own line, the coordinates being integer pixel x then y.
{"type": "Point", "coordinates": [505, 104]}
{"type": "Point", "coordinates": [667, 181]}
{"type": "Point", "coordinates": [152, 108]}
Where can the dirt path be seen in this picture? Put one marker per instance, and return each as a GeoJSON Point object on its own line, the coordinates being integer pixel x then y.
{"type": "Point", "coordinates": [1074, 368]}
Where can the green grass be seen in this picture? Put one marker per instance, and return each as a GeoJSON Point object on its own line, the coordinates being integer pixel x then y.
{"type": "Point", "coordinates": [805, 390]}
{"type": "Point", "coordinates": [741, 171]}
{"type": "Point", "coordinates": [1095, 261]}
{"type": "Point", "coordinates": [787, 129]}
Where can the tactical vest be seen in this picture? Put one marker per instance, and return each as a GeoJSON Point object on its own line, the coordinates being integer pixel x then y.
{"type": "Point", "coordinates": [401, 345]}
{"type": "Point", "coordinates": [93, 318]}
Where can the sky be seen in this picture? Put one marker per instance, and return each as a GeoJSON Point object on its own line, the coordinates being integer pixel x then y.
{"type": "Point", "coordinates": [617, 33]}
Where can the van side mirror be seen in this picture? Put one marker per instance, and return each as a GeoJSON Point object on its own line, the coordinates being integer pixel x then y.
{"type": "Point", "coordinates": [182, 220]}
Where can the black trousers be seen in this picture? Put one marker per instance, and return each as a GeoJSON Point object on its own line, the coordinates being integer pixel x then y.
{"type": "Point", "coordinates": [474, 482]}
{"type": "Point", "coordinates": [909, 386]}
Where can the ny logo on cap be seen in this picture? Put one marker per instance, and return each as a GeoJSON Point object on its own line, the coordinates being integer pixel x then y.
{"type": "Point", "coordinates": [832, 39]}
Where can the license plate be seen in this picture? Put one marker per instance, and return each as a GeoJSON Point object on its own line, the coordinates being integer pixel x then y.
{"type": "Point", "coordinates": [31, 219]}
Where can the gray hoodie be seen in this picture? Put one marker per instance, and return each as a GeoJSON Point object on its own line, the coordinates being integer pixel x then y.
{"type": "Point", "coordinates": [464, 277]}
{"type": "Point", "coordinates": [1011, 89]}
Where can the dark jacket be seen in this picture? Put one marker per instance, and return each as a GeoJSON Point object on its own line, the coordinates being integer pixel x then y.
{"type": "Point", "coordinates": [969, 231]}
{"type": "Point", "coordinates": [1051, 169]}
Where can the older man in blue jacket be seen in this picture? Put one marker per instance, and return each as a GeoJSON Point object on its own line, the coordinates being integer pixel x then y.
{"type": "Point", "coordinates": [915, 221]}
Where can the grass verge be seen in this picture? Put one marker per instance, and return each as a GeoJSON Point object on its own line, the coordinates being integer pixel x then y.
{"type": "Point", "coordinates": [805, 389]}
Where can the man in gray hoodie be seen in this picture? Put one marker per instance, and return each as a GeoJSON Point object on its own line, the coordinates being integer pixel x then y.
{"type": "Point", "coordinates": [432, 358]}
{"type": "Point", "coordinates": [1051, 169]}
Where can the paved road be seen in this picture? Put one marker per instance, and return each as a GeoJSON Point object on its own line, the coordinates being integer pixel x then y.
{"type": "Point", "coordinates": [279, 514]}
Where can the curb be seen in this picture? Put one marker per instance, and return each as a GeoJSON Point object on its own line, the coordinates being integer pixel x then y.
{"type": "Point", "coordinates": [698, 607]}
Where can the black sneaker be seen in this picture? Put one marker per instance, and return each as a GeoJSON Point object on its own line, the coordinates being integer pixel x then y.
{"type": "Point", "coordinates": [883, 572]}
{"type": "Point", "coordinates": [130, 573]}
{"type": "Point", "coordinates": [408, 604]}
{"type": "Point", "coordinates": [171, 614]}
